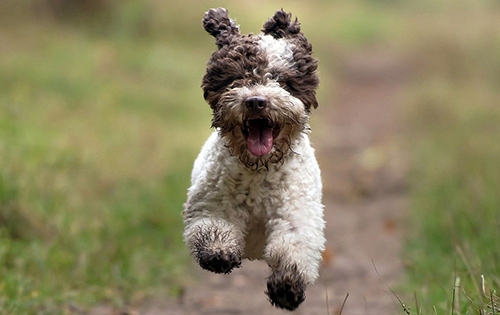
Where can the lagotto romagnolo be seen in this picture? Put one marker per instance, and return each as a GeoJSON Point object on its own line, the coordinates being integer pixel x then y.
{"type": "Point", "coordinates": [256, 185]}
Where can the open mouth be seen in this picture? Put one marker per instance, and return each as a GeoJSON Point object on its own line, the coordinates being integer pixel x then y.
{"type": "Point", "coordinates": [260, 134]}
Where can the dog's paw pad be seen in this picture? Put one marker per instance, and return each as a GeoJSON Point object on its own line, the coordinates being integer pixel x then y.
{"type": "Point", "coordinates": [219, 262]}
{"type": "Point", "coordinates": [286, 293]}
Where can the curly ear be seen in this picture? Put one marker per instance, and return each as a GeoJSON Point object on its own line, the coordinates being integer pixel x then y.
{"type": "Point", "coordinates": [218, 24]}
{"type": "Point", "coordinates": [281, 25]}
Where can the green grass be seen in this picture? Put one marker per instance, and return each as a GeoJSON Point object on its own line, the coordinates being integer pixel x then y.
{"type": "Point", "coordinates": [454, 132]}
{"type": "Point", "coordinates": [97, 138]}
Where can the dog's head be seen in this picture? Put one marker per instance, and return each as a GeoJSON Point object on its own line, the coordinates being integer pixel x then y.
{"type": "Point", "coordinates": [261, 88]}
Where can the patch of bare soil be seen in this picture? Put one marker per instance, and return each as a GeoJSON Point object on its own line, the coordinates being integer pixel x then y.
{"type": "Point", "coordinates": [365, 201]}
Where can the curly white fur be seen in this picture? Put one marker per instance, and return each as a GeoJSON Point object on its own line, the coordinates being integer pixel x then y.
{"type": "Point", "coordinates": [276, 215]}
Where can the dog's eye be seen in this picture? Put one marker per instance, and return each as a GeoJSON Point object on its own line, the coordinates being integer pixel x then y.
{"type": "Point", "coordinates": [282, 84]}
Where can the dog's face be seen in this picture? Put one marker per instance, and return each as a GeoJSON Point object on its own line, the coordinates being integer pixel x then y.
{"type": "Point", "coordinates": [261, 88]}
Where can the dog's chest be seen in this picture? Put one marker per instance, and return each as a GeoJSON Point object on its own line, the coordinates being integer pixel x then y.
{"type": "Point", "coordinates": [256, 193]}
{"type": "Point", "coordinates": [256, 197]}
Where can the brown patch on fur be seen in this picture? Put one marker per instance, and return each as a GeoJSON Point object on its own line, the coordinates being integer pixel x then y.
{"type": "Point", "coordinates": [218, 24]}
{"type": "Point", "coordinates": [302, 80]}
{"type": "Point", "coordinates": [236, 64]}
{"type": "Point", "coordinates": [280, 25]}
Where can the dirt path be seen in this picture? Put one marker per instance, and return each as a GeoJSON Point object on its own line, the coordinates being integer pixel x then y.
{"type": "Point", "coordinates": [364, 201]}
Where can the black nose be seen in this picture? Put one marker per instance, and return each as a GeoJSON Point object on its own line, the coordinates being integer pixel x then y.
{"type": "Point", "coordinates": [256, 103]}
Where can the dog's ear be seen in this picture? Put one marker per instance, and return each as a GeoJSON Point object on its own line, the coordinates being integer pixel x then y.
{"type": "Point", "coordinates": [218, 24]}
{"type": "Point", "coordinates": [281, 25]}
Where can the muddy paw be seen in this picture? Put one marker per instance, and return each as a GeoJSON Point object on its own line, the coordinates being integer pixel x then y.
{"type": "Point", "coordinates": [286, 289]}
{"type": "Point", "coordinates": [219, 262]}
{"type": "Point", "coordinates": [216, 250]}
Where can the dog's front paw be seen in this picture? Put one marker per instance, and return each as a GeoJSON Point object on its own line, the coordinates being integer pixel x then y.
{"type": "Point", "coordinates": [216, 250]}
{"type": "Point", "coordinates": [219, 261]}
{"type": "Point", "coordinates": [286, 289]}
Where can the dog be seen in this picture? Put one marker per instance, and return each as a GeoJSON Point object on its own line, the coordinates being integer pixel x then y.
{"type": "Point", "coordinates": [256, 185]}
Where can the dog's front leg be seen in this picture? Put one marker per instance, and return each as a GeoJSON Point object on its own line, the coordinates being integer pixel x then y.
{"type": "Point", "coordinates": [295, 243]}
{"type": "Point", "coordinates": [215, 243]}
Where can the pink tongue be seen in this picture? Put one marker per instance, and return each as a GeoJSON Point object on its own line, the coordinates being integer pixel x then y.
{"type": "Point", "coordinates": [260, 140]}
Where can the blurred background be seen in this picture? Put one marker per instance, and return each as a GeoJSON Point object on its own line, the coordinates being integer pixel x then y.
{"type": "Point", "coordinates": [101, 117]}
